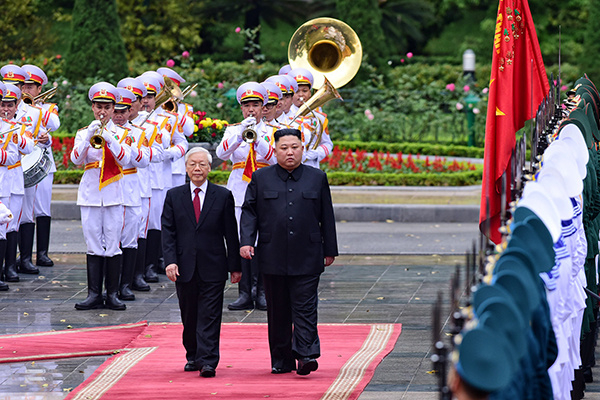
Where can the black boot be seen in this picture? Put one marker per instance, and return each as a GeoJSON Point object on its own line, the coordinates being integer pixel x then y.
{"type": "Point", "coordinates": [3, 286]}
{"type": "Point", "coordinates": [260, 300]}
{"type": "Point", "coordinates": [112, 273]}
{"type": "Point", "coordinates": [125, 292]}
{"type": "Point", "coordinates": [26, 232]}
{"type": "Point", "coordinates": [43, 242]}
{"type": "Point", "coordinates": [139, 283]}
{"type": "Point", "coordinates": [95, 272]}
{"type": "Point", "coordinates": [152, 253]}
{"type": "Point", "coordinates": [244, 301]}
{"type": "Point", "coordinates": [10, 258]}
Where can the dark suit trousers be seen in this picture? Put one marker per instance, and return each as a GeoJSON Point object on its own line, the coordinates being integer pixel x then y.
{"type": "Point", "coordinates": [201, 305]}
{"type": "Point", "coordinates": [292, 315]}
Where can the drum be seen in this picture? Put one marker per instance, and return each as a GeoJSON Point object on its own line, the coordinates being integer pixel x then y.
{"type": "Point", "coordinates": [36, 166]}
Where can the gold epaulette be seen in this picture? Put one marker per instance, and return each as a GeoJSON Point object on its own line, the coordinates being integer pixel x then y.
{"type": "Point", "coordinates": [85, 127]}
{"type": "Point", "coordinates": [139, 127]}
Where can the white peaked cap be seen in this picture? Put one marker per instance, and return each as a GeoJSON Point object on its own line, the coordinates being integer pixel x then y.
{"type": "Point", "coordinates": [561, 155]}
{"type": "Point", "coordinates": [537, 199]}
{"type": "Point", "coordinates": [553, 182]}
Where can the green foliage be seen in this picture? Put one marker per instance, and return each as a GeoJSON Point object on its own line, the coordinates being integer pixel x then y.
{"type": "Point", "coordinates": [592, 41]}
{"type": "Point", "coordinates": [364, 16]}
{"type": "Point", "coordinates": [97, 48]}
{"type": "Point", "coordinates": [68, 176]}
{"type": "Point", "coordinates": [156, 30]}
{"type": "Point", "coordinates": [23, 32]}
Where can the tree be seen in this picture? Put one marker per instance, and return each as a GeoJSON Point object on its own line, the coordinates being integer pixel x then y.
{"type": "Point", "coordinates": [97, 48]}
{"type": "Point", "coordinates": [23, 32]}
{"type": "Point", "coordinates": [403, 22]}
{"type": "Point", "coordinates": [255, 12]}
{"type": "Point", "coordinates": [591, 43]}
{"type": "Point", "coordinates": [364, 16]}
{"type": "Point", "coordinates": [155, 30]}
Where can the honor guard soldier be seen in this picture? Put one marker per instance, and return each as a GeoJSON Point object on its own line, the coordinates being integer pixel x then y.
{"type": "Point", "coordinates": [320, 144]}
{"type": "Point", "coordinates": [248, 146]}
{"type": "Point", "coordinates": [9, 110]}
{"type": "Point", "coordinates": [9, 153]}
{"type": "Point", "coordinates": [36, 205]}
{"type": "Point", "coordinates": [160, 173]}
{"type": "Point", "coordinates": [134, 137]}
{"type": "Point", "coordinates": [137, 118]}
{"type": "Point", "coordinates": [98, 147]}
{"type": "Point", "coordinates": [185, 126]}
{"type": "Point", "coordinates": [285, 69]}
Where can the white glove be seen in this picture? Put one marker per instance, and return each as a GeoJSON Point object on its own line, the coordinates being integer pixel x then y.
{"type": "Point", "coordinates": [107, 135]}
{"type": "Point", "coordinates": [92, 128]}
{"type": "Point", "coordinates": [248, 122]}
{"type": "Point", "coordinates": [5, 214]}
{"type": "Point", "coordinates": [311, 154]}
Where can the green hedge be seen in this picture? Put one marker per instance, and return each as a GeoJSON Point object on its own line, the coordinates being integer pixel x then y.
{"type": "Point", "coordinates": [413, 148]}
{"type": "Point", "coordinates": [343, 178]}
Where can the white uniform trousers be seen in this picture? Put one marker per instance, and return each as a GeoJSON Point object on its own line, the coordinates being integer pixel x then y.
{"type": "Point", "coordinates": [178, 179]}
{"type": "Point", "coordinates": [4, 227]}
{"type": "Point", "coordinates": [131, 227]}
{"type": "Point", "coordinates": [156, 207]}
{"type": "Point", "coordinates": [102, 229]}
{"type": "Point", "coordinates": [37, 200]}
{"type": "Point", "coordinates": [143, 233]}
{"type": "Point", "coordinates": [16, 208]}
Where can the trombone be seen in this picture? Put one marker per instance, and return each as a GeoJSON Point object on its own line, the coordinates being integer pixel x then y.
{"type": "Point", "coordinates": [170, 94]}
{"type": "Point", "coordinates": [42, 97]}
{"type": "Point", "coordinates": [332, 51]}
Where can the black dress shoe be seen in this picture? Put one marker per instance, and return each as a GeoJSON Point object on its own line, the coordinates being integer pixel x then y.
{"type": "Point", "coordinates": [306, 365]}
{"type": "Point", "coordinates": [190, 366]}
{"type": "Point", "coordinates": [208, 372]}
{"type": "Point", "coordinates": [277, 370]}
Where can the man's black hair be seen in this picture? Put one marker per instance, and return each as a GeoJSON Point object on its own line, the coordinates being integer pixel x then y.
{"type": "Point", "coordinates": [287, 132]}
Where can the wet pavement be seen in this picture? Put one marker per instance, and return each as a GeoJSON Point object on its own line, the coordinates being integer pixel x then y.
{"type": "Point", "coordinates": [382, 276]}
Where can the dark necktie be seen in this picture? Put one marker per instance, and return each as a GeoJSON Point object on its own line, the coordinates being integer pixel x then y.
{"type": "Point", "coordinates": [197, 203]}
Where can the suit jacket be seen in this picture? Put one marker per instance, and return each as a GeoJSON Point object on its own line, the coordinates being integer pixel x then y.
{"type": "Point", "coordinates": [210, 246]}
{"type": "Point", "coordinates": [293, 216]}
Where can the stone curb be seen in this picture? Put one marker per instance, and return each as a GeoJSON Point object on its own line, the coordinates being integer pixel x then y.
{"type": "Point", "coordinates": [68, 210]}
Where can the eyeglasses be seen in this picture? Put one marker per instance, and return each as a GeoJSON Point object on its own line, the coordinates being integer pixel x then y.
{"type": "Point", "coordinates": [270, 106]}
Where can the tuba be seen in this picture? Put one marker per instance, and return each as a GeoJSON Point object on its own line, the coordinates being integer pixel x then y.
{"type": "Point", "coordinates": [331, 50]}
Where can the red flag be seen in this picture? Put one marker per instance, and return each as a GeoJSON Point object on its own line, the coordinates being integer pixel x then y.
{"type": "Point", "coordinates": [250, 164]}
{"type": "Point", "coordinates": [518, 84]}
{"type": "Point", "coordinates": [110, 171]}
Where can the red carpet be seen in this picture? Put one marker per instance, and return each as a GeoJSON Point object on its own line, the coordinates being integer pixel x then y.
{"type": "Point", "coordinates": [68, 343]}
{"type": "Point", "coordinates": [150, 363]}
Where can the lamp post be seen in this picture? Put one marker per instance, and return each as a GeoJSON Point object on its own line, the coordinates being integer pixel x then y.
{"type": "Point", "coordinates": [470, 99]}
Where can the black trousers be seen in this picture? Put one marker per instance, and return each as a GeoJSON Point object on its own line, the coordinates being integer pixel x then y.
{"type": "Point", "coordinates": [292, 316]}
{"type": "Point", "coordinates": [201, 305]}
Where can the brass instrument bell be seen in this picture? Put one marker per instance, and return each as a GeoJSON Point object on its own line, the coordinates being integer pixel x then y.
{"type": "Point", "coordinates": [249, 135]}
{"type": "Point", "coordinates": [97, 141]}
{"type": "Point", "coordinates": [42, 97]}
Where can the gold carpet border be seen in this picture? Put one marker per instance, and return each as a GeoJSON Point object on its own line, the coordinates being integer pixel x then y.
{"type": "Point", "coordinates": [354, 369]}
{"type": "Point", "coordinates": [58, 355]}
{"type": "Point", "coordinates": [78, 330]}
{"type": "Point", "coordinates": [113, 373]}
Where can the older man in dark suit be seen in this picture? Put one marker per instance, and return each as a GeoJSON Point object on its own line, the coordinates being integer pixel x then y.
{"type": "Point", "coordinates": [199, 233]}
{"type": "Point", "coordinates": [289, 206]}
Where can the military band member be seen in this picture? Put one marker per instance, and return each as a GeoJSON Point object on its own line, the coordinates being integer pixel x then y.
{"type": "Point", "coordinates": [273, 109]}
{"type": "Point", "coordinates": [246, 158]}
{"type": "Point", "coordinates": [8, 156]}
{"type": "Point", "coordinates": [132, 201]}
{"type": "Point", "coordinates": [285, 69]}
{"type": "Point", "coordinates": [36, 205]}
{"type": "Point", "coordinates": [185, 126]}
{"type": "Point", "coordinates": [10, 110]}
{"type": "Point", "coordinates": [160, 173]}
{"type": "Point", "coordinates": [137, 118]}
{"type": "Point", "coordinates": [100, 197]}
{"type": "Point", "coordinates": [320, 144]}
{"type": "Point", "coordinates": [289, 97]}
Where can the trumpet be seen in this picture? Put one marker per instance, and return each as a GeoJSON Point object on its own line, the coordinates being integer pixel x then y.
{"type": "Point", "coordinates": [97, 141]}
{"type": "Point", "coordinates": [42, 97]}
{"type": "Point", "coordinates": [249, 135]}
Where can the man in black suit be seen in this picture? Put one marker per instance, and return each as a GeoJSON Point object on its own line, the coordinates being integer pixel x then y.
{"type": "Point", "coordinates": [289, 206]}
{"type": "Point", "coordinates": [199, 234]}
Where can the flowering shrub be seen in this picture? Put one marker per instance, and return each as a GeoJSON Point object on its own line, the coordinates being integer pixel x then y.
{"type": "Point", "coordinates": [61, 150]}
{"type": "Point", "coordinates": [361, 161]}
{"type": "Point", "coordinates": [207, 129]}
